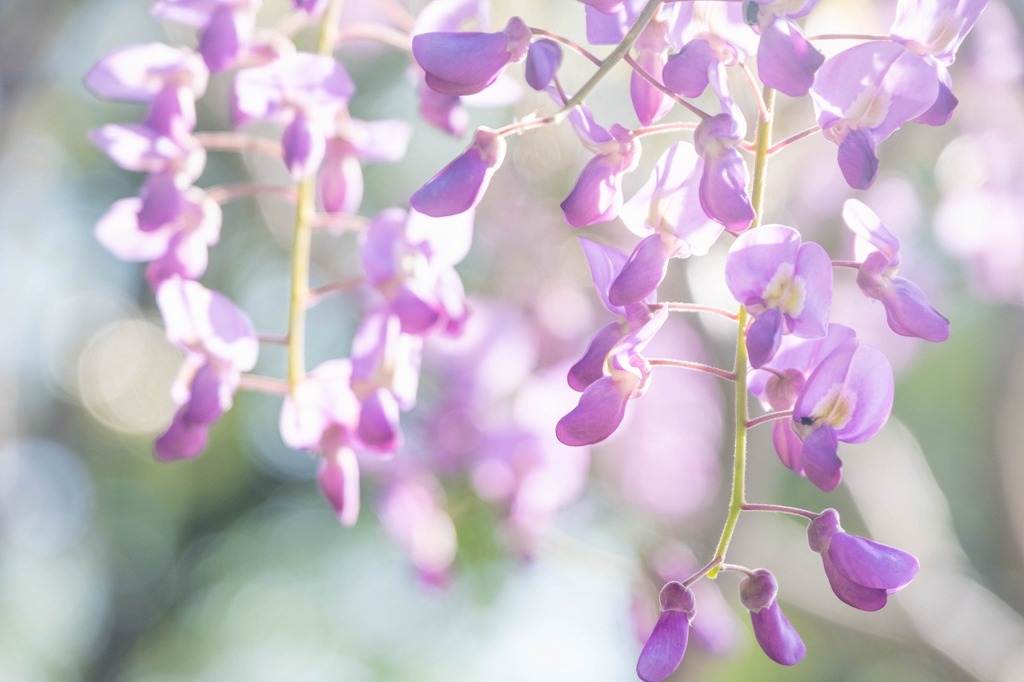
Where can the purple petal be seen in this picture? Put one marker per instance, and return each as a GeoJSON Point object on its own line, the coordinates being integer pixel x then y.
{"type": "Point", "coordinates": [758, 590]}
{"type": "Point", "coordinates": [942, 109]}
{"type": "Point", "coordinates": [139, 72]}
{"type": "Point", "coordinates": [909, 314]}
{"type": "Point", "coordinates": [870, 563]}
{"type": "Point", "coordinates": [867, 226]}
{"type": "Point", "coordinates": [686, 72]}
{"type": "Point", "coordinates": [821, 529]}
{"type": "Point", "coordinates": [723, 185]}
{"type": "Point", "coordinates": [118, 230]}
{"type": "Point", "coordinates": [542, 63]}
{"type": "Point", "coordinates": [461, 184]}
{"type": "Point", "coordinates": [870, 379]}
{"type": "Point", "coordinates": [788, 446]}
{"type": "Point", "coordinates": [303, 145]}
{"type": "Point", "coordinates": [814, 267]}
{"type": "Point", "coordinates": [606, 262]}
{"type": "Point", "coordinates": [935, 28]}
{"type": "Point", "coordinates": [850, 592]}
{"type": "Point", "coordinates": [341, 178]}
{"type": "Point", "coordinates": [444, 112]}
{"type": "Point", "coordinates": [339, 482]}
{"type": "Point", "coordinates": [786, 60]}
{"type": "Point", "coordinates": [590, 367]}
{"type": "Point", "coordinates": [755, 258]}
{"type": "Point", "coordinates": [599, 412]}
{"type": "Point", "coordinates": [665, 648]}
{"type": "Point", "coordinates": [378, 421]}
{"type": "Point", "coordinates": [778, 638]}
{"type": "Point", "coordinates": [857, 159]}
{"type": "Point", "coordinates": [763, 337]}
{"type": "Point", "coordinates": [316, 85]}
{"type": "Point", "coordinates": [163, 200]}
{"type": "Point", "coordinates": [227, 33]}
{"type": "Point", "coordinates": [466, 63]}
{"type": "Point", "coordinates": [182, 439]}
{"type": "Point", "coordinates": [644, 270]}
{"type": "Point", "coordinates": [822, 466]}
{"type": "Point", "coordinates": [649, 103]}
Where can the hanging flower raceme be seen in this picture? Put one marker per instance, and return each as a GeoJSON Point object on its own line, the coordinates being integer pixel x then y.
{"type": "Point", "coordinates": [306, 92]}
{"type": "Point", "coordinates": [773, 631]}
{"type": "Point", "coordinates": [466, 63]}
{"type": "Point", "coordinates": [667, 213]}
{"type": "Point", "coordinates": [934, 31]}
{"type": "Point", "coordinates": [906, 308]}
{"type": "Point", "coordinates": [459, 186]}
{"type": "Point", "coordinates": [220, 344]}
{"type": "Point", "coordinates": [785, 284]}
{"type": "Point", "coordinates": [226, 27]}
{"type": "Point", "coordinates": [612, 371]}
{"type": "Point", "coordinates": [862, 573]}
{"type": "Point", "coordinates": [846, 398]}
{"type": "Point", "coordinates": [321, 414]}
{"type": "Point", "coordinates": [786, 60]}
{"type": "Point", "coordinates": [863, 95]}
{"type": "Point", "coordinates": [664, 649]}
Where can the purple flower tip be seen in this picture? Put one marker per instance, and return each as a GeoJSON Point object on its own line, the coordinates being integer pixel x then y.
{"type": "Point", "coordinates": [461, 184]}
{"type": "Point", "coordinates": [542, 62]}
{"type": "Point", "coordinates": [466, 63]}
{"type": "Point", "coordinates": [664, 649]}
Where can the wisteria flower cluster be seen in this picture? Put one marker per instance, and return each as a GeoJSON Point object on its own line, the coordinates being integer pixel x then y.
{"type": "Point", "coordinates": [817, 383]}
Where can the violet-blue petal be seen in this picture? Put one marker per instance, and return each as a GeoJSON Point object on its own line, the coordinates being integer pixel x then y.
{"type": "Point", "coordinates": [225, 36]}
{"type": "Point", "coordinates": [606, 262]}
{"type": "Point", "coordinates": [909, 314]}
{"type": "Point", "coordinates": [461, 184]}
{"type": "Point", "coordinates": [542, 63]}
{"type": "Point", "coordinates": [338, 480]}
{"type": "Point", "coordinates": [599, 412]}
{"type": "Point", "coordinates": [821, 464]}
{"type": "Point", "coordinates": [857, 159]}
{"type": "Point", "coordinates": [163, 200]}
{"type": "Point", "coordinates": [686, 72]}
{"type": "Point", "coordinates": [850, 592]}
{"type": "Point", "coordinates": [644, 270]}
{"type": "Point", "coordinates": [183, 439]}
{"type": "Point", "coordinates": [786, 60]}
{"type": "Point", "coordinates": [778, 638]}
{"type": "Point", "coordinates": [665, 648]}
{"type": "Point", "coordinates": [466, 63]}
{"type": "Point", "coordinates": [590, 367]}
{"type": "Point", "coordinates": [303, 147]}
{"type": "Point", "coordinates": [763, 337]}
{"type": "Point", "coordinates": [871, 563]}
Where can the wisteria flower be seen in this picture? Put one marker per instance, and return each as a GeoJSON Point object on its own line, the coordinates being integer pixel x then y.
{"type": "Point", "coordinates": [463, 63]}
{"type": "Point", "coordinates": [785, 284]}
{"type": "Point", "coordinates": [664, 649]}
{"type": "Point", "coordinates": [906, 308]}
{"type": "Point", "coordinates": [612, 371]}
{"type": "Point", "coordinates": [220, 344]}
{"type": "Point", "coordinates": [597, 195]}
{"type": "Point", "coordinates": [862, 573]}
{"type": "Point", "coordinates": [321, 414]}
{"type": "Point", "coordinates": [863, 95]}
{"type": "Point", "coordinates": [304, 91]}
{"type": "Point", "coordinates": [847, 398]}
{"type": "Point", "coordinates": [542, 63]}
{"type": "Point", "coordinates": [226, 27]}
{"type": "Point", "coordinates": [340, 182]}
{"type": "Point", "coordinates": [667, 213]}
{"type": "Point", "coordinates": [459, 186]}
{"type": "Point", "coordinates": [723, 184]}
{"type": "Point", "coordinates": [777, 637]}
{"type": "Point", "coordinates": [786, 60]}
{"type": "Point", "coordinates": [652, 47]}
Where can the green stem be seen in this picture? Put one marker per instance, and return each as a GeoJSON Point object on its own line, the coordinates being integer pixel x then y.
{"type": "Point", "coordinates": [739, 466]}
{"type": "Point", "coordinates": [304, 213]}
{"type": "Point", "coordinates": [620, 51]}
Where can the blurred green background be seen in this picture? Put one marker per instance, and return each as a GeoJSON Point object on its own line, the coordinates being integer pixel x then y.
{"type": "Point", "coordinates": [114, 567]}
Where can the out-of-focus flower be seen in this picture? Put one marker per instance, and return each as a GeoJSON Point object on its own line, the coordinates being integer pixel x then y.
{"type": "Point", "coordinates": [220, 344]}
{"type": "Point", "coordinates": [862, 573]}
{"type": "Point", "coordinates": [226, 27]}
{"type": "Point", "coordinates": [340, 181]}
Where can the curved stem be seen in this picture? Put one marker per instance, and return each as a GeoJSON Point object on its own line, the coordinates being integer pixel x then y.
{"type": "Point", "coordinates": [846, 264]}
{"type": "Point", "coordinates": [375, 32]}
{"type": "Point", "coordinates": [739, 464]}
{"type": "Point", "coordinates": [572, 45]}
{"type": "Point", "coordinates": [705, 569]}
{"type": "Point", "coordinates": [851, 36]}
{"type": "Point", "coordinates": [238, 142]}
{"type": "Point", "coordinates": [656, 128]}
{"type": "Point", "coordinates": [782, 144]}
{"type": "Point", "coordinates": [643, 73]}
{"type": "Point", "coordinates": [697, 366]}
{"type": "Point", "coordinates": [692, 308]}
{"type": "Point", "coordinates": [223, 194]}
{"type": "Point", "coordinates": [780, 509]}
{"type": "Point", "coordinates": [344, 285]}
{"type": "Point", "coordinates": [771, 416]}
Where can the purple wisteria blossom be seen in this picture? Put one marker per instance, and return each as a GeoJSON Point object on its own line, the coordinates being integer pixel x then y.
{"type": "Point", "coordinates": [459, 186]}
{"type": "Point", "coordinates": [777, 637]}
{"type": "Point", "coordinates": [612, 370]}
{"type": "Point", "coordinates": [412, 510]}
{"type": "Point", "coordinates": [934, 30]}
{"type": "Point", "coordinates": [846, 398]}
{"type": "Point", "coordinates": [906, 309]}
{"type": "Point", "coordinates": [220, 344]}
{"type": "Point", "coordinates": [464, 63]}
{"type": "Point", "coordinates": [652, 48]}
{"type": "Point", "coordinates": [664, 649]}
{"type": "Point", "coordinates": [542, 63]}
{"type": "Point", "coordinates": [321, 414]}
{"type": "Point", "coordinates": [785, 284]}
{"type": "Point", "coordinates": [863, 95]}
{"type": "Point", "coordinates": [409, 258]}
{"type": "Point", "coordinates": [226, 27]}
{"type": "Point", "coordinates": [862, 573]}
{"type": "Point", "coordinates": [786, 60]}
{"type": "Point", "coordinates": [597, 195]}
{"type": "Point", "coordinates": [306, 92]}
{"type": "Point", "coordinates": [340, 182]}
{"type": "Point", "coordinates": [667, 213]}
{"type": "Point", "coordinates": [723, 184]}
